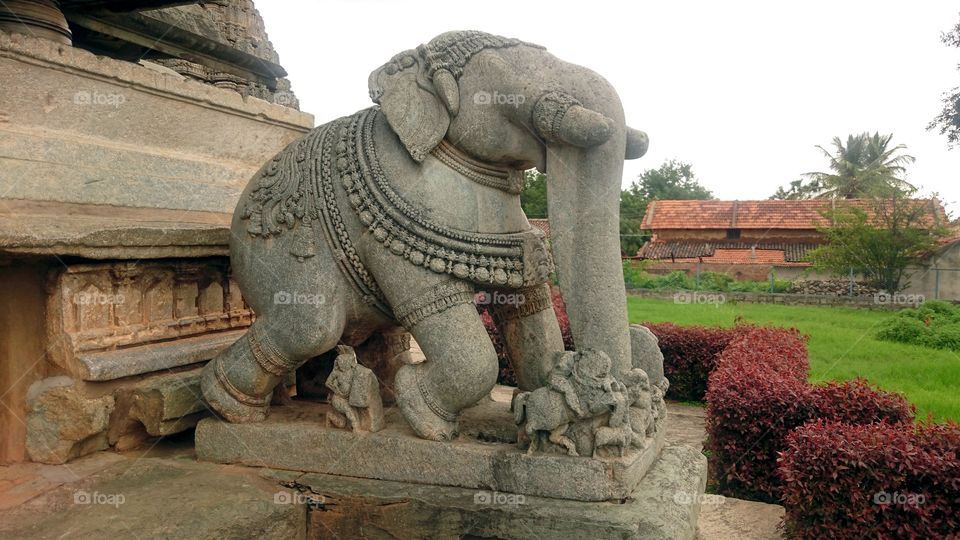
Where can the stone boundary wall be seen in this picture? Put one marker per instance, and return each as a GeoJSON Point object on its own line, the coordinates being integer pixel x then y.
{"type": "Point", "coordinates": [714, 297]}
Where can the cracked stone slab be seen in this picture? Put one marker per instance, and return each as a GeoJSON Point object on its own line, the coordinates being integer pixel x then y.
{"type": "Point", "coordinates": [295, 437]}
{"type": "Point", "coordinates": [664, 505]}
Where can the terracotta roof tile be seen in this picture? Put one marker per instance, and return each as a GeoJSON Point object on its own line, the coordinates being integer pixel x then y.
{"type": "Point", "coordinates": [786, 252]}
{"type": "Point", "coordinates": [747, 256]}
{"type": "Point", "coordinates": [768, 214]}
{"type": "Point", "coordinates": [542, 224]}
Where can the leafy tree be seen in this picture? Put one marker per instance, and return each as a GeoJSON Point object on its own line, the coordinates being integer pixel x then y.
{"type": "Point", "coordinates": [949, 118]}
{"type": "Point", "coordinates": [633, 205]}
{"type": "Point", "coordinates": [897, 233]}
{"type": "Point", "coordinates": [674, 180]}
{"type": "Point", "coordinates": [866, 166]}
{"type": "Point", "coordinates": [533, 198]}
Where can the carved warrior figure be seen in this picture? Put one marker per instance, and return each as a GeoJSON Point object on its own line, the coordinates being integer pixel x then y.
{"type": "Point", "coordinates": [397, 215]}
{"type": "Point", "coordinates": [355, 394]}
{"type": "Point", "coordinates": [581, 390]}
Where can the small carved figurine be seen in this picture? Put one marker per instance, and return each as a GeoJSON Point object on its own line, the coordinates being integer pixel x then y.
{"type": "Point", "coordinates": [355, 394]}
{"type": "Point", "coordinates": [580, 387]}
{"type": "Point", "coordinates": [628, 427]}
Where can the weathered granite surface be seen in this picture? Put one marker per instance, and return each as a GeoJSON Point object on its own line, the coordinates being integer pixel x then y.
{"type": "Point", "coordinates": [356, 508]}
{"type": "Point", "coordinates": [33, 483]}
{"type": "Point", "coordinates": [403, 213]}
{"type": "Point", "coordinates": [158, 498]}
{"type": "Point", "coordinates": [30, 227]}
{"type": "Point", "coordinates": [110, 160]}
{"type": "Point", "coordinates": [62, 423]}
{"type": "Point", "coordinates": [396, 453]}
{"type": "Point", "coordinates": [105, 131]}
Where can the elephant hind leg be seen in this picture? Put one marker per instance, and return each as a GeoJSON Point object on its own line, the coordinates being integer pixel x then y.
{"type": "Point", "coordinates": [460, 368]}
{"type": "Point", "coordinates": [238, 383]}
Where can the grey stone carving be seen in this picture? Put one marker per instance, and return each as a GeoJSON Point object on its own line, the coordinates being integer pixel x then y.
{"type": "Point", "coordinates": [354, 394]}
{"type": "Point", "coordinates": [398, 214]}
{"type": "Point", "coordinates": [583, 401]}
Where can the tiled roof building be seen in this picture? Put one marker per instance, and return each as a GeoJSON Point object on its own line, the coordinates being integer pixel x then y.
{"type": "Point", "coordinates": [744, 238]}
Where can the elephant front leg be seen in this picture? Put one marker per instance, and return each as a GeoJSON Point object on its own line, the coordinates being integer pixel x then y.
{"type": "Point", "coordinates": [461, 363]}
{"type": "Point", "coordinates": [530, 331]}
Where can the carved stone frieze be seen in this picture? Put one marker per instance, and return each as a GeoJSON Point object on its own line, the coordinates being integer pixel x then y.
{"type": "Point", "coordinates": [115, 319]}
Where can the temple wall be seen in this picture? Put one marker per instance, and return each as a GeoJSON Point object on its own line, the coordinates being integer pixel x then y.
{"type": "Point", "coordinates": [76, 127]}
{"type": "Point", "coordinates": [117, 185]}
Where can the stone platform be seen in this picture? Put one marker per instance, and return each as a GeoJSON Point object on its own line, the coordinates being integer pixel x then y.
{"type": "Point", "coordinates": [164, 493]}
{"type": "Point", "coordinates": [485, 456]}
{"type": "Point", "coordinates": [210, 500]}
{"type": "Point", "coordinates": [665, 505]}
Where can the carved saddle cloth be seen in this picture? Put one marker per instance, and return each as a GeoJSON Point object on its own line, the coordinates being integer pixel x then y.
{"type": "Point", "coordinates": [299, 188]}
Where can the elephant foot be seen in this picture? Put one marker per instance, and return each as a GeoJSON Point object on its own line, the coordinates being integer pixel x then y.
{"type": "Point", "coordinates": [413, 404]}
{"type": "Point", "coordinates": [226, 400]}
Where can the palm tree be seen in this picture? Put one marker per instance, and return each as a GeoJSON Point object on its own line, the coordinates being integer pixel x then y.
{"type": "Point", "coordinates": [865, 167]}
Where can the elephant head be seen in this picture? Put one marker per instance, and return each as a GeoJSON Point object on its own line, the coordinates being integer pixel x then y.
{"type": "Point", "coordinates": [510, 103]}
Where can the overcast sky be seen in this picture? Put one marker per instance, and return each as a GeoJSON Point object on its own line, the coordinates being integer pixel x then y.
{"type": "Point", "coordinates": [741, 90]}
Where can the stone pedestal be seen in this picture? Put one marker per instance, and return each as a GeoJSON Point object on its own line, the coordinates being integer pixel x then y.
{"type": "Point", "coordinates": [393, 484]}
{"type": "Point", "coordinates": [485, 456]}
{"type": "Point", "coordinates": [664, 505]}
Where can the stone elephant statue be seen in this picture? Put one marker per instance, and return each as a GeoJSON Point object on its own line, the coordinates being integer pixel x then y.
{"type": "Point", "coordinates": [397, 215]}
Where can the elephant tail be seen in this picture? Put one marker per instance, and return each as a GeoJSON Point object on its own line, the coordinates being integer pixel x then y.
{"type": "Point", "coordinates": [519, 406]}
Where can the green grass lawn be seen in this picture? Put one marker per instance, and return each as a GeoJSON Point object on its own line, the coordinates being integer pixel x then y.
{"type": "Point", "coordinates": [842, 346]}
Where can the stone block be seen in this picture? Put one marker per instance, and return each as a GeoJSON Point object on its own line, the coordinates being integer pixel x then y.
{"type": "Point", "coordinates": [114, 132]}
{"type": "Point", "coordinates": [665, 504]}
{"type": "Point", "coordinates": [62, 423]}
{"type": "Point", "coordinates": [295, 438]}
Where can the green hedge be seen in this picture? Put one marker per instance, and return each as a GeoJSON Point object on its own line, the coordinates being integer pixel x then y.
{"type": "Point", "coordinates": [636, 277]}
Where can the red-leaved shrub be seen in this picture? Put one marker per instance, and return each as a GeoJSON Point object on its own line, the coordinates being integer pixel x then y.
{"type": "Point", "coordinates": [759, 393]}
{"type": "Point", "coordinates": [857, 402]}
{"type": "Point", "coordinates": [879, 480]}
{"type": "Point", "coordinates": [690, 353]}
{"type": "Point", "coordinates": [561, 310]}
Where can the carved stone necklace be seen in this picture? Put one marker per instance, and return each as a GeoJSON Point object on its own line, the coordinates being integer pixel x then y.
{"type": "Point", "coordinates": [485, 174]}
{"type": "Point", "coordinates": [299, 190]}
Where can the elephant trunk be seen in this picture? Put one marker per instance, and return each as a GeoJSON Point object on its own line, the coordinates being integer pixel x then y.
{"type": "Point", "coordinates": [583, 197]}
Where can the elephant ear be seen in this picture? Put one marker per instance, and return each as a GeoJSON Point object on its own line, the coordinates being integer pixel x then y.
{"type": "Point", "coordinates": [406, 96]}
